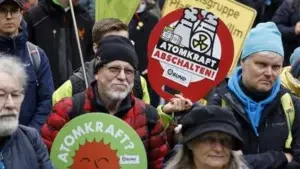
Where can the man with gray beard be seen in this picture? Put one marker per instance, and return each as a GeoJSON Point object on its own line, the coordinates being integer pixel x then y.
{"type": "Point", "coordinates": [20, 146]}
{"type": "Point", "coordinates": [115, 68]}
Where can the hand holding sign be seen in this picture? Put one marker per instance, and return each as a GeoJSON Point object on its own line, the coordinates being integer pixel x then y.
{"type": "Point", "coordinates": [190, 50]}
{"type": "Point", "coordinates": [177, 104]}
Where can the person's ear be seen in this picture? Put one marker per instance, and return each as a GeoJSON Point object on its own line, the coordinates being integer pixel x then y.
{"type": "Point", "coordinates": [95, 47]}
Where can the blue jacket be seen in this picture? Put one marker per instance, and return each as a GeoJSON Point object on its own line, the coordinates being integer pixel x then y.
{"type": "Point", "coordinates": [37, 102]}
{"type": "Point", "coordinates": [25, 150]}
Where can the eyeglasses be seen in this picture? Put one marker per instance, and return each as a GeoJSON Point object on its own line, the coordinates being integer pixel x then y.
{"type": "Point", "coordinates": [226, 142]}
{"type": "Point", "coordinates": [116, 70]}
{"type": "Point", "coordinates": [16, 96]}
{"type": "Point", "coordinates": [14, 12]}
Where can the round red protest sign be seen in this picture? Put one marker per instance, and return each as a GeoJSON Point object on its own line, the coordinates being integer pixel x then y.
{"type": "Point", "coordinates": [189, 51]}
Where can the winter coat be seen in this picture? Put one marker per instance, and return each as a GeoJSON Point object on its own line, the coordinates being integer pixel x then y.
{"type": "Point", "coordinates": [37, 101]}
{"type": "Point", "coordinates": [288, 81]}
{"type": "Point", "coordinates": [24, 149]}
{"type": "Point", "coordinates": [51, 28]}
{"type": "Point", "coordinates": [264, 12]}
{"type": "Point", "coordinates": [286, 18]}
{"type": "Point", "coordinates": [267, 150]}
{"type": "Point", "coordinates": [132, 110]}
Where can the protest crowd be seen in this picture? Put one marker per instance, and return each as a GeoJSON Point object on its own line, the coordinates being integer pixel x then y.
{"type": "Point", "coordinates": [251, 120]}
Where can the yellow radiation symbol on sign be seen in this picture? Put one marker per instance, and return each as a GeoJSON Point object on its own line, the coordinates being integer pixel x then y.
{"type": "Point", "coordinates": [201, 42]}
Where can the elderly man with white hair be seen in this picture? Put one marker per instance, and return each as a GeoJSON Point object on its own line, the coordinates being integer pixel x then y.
{"type": "Point", "coordinates": [20, 146]}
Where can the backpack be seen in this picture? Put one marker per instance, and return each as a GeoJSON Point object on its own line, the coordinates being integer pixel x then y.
{"type": "Point", "coordinates": [35, 57]}
{"type": "Point", "coordinates": [289, 111]}
{"type": "Point", "coordinates": [78, 85]}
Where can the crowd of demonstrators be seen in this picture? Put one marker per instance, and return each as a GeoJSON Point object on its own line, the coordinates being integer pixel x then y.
{"type": "Point", "coordinates": [50, 26]}
{"type": "Point", "coordinates": [76, 82]}
{"type": "Point", "coordinates": [244, 124]}
{"type": "Point", "coordinates": [20, 146]}
{"type": "Point", "coordinates": [111, 92]}
{"type": "Point", "coordinates": [254, 93]}
{"type": "Point", "coordinates": [290, 75]}
{"type": "Point", "coordinates": [14, 41]}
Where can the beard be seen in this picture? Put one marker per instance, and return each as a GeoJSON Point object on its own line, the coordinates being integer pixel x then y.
{"type": "Point", "coordinates": [9, 122]}
{"type": "Point", "coordinates": [117, 95]}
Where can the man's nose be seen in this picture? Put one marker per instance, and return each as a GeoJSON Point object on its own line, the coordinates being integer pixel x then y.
{"type": "Point", "coordinates": [121, 75]}
{"type": "Point", "coordinates": [9, 103]}
{"type": "Point", "coordinates": [8, 14]}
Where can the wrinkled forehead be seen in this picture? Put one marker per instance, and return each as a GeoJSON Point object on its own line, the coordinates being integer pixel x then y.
{"type": "Point", "coordinates": [9, 82]}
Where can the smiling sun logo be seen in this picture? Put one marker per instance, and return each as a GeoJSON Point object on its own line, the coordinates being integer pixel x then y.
{"type": "Point", "coordinates": [95, 155]}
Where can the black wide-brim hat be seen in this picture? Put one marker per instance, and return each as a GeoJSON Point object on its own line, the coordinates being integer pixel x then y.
{"type": "Point", "coordinates": [203, 119]}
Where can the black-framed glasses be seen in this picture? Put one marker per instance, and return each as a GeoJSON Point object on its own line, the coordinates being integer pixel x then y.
{"type": "Point", "coordinates": [14, 11]}
{"type": "Point", "coordinates": [16, 96]}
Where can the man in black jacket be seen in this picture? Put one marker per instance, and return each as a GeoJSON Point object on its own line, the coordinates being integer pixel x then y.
{"type": "Point", "coordinates": [253, 93]}
{"type": "Point", "coordinates": [50, 26]}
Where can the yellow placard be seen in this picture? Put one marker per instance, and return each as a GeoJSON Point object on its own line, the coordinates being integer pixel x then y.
{"type": "Point", "coordinates": [121, 9]}
{"type": "Point", "coordinates": [239, 18]}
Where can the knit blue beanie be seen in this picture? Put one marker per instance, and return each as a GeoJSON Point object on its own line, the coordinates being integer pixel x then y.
{"type": "Point", "coordinates": [264, 37]}
{"type": "Point", "coordinates": [295, 55]}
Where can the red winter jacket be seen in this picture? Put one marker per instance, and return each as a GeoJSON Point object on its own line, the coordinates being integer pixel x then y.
{"type": "Point", "coordinates": [133, 111]}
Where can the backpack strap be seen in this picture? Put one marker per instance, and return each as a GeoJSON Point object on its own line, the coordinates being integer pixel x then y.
{"type": "Point", "coordinates": [289, 111]}
{"type": "Point", "coordinates": [34, 55]}
{"type": "Point", "coordinates": [78, 85]}
{"type": "Point", "coordinates": [137, 88]}
{"type": "Point", "coordinates": [35, 58]}
{"type": "Point", "coordinates": [78, 105]}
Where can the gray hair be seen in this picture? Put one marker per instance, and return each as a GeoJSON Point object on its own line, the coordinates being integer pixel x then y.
{"type": "Point", "coordinates": [13, 66]}
{"type": "Point", "coordinates": [183, 159]}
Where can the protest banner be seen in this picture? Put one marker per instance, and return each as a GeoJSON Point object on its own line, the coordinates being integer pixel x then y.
{"type": "Point", "coordinates": [96, 140]}
{"type": "Point", "coordinates": [238, 17]}
{"type": "Point", "coordinates": [121, 9]}
{"type": "Point", "coordinates": [190, 50]}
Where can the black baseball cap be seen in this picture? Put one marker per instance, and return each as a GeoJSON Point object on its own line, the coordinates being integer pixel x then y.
{"type": "Point", "coordinates": [18, 2]}
{"type": "Point", "coordinates": [203, 119]}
